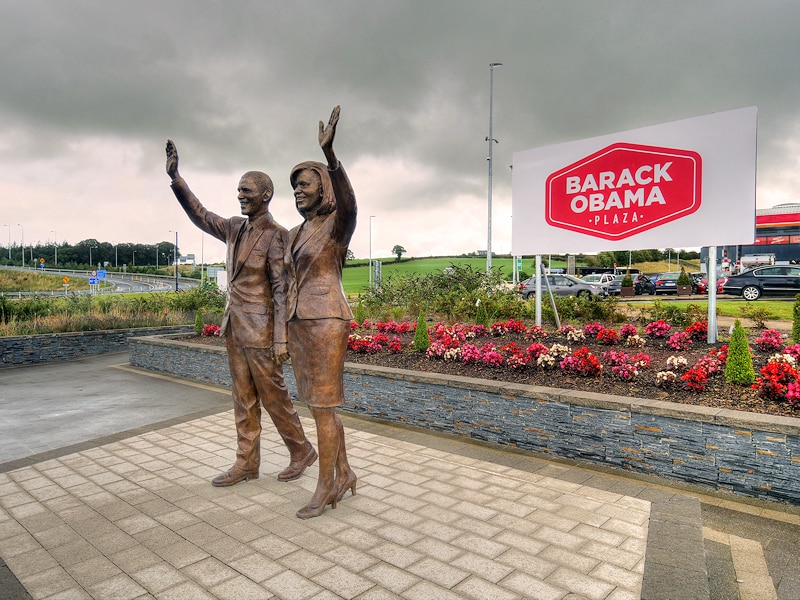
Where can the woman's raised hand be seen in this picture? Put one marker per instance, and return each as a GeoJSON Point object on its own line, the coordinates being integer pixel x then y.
{"type": "Point", "coordinates": [327, 133]}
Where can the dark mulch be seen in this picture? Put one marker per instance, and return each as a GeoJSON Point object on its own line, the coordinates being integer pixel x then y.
{"type": "Point", "coordinates": [718, 393]}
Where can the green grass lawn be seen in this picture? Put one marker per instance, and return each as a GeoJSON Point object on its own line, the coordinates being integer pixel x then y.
{"type": "Point", "coordinates": [356, 279]}
{"type": "Point", "coordinates": [776, 309]}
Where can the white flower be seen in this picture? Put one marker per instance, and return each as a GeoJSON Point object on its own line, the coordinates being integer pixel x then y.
{"type": "Point", "coordinates": [677, 362]}
{"type": "Point", "coordinates": [783, 358]}
{"type": "Point", "coordinates": [665, 377]}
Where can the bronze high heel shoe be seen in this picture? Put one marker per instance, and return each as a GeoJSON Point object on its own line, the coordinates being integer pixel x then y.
{"type": "Point", "coordinates": [349, 484]}
{"type": "Point", "coordinates": [308, 511]}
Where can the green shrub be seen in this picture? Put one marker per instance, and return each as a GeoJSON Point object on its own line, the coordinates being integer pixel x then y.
{"type": "Point", "coordinates": [195, 299]}
{"type": "Point", "coordinates": [453, 293]}
{"type": "Point", "coordinates": [360, 314]}
{"type": "Point", "coordinates": [582, 310]}
{"type": "Point", "coordinates": [198, 322]}
{"type": "Point", "coordinates": [422, 340]}
{"type": "Point", "coordinates": [683, 278]}
{"type": "Point", "coordinates": [627, 281]}
{"type": "Point", "coordinates": [739, 366]}
{"type": "Point", "coordinates": [757, 314]}
{"type": "Point", "coordinates": [796, 320]}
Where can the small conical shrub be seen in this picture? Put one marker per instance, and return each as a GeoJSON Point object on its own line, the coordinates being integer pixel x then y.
{"type": "Point", "coordinates": [796, 320]}
{"type": "Point", "coordinates": [481, 314]}
{"type": "Point", "coordinates": [361, 313]}
{"type": "Point", "coordinates": [198, 322]}
{"type": "Point", "coordinates": [422, 340]}
{"type": "Point", "coordinates": [739, 366]}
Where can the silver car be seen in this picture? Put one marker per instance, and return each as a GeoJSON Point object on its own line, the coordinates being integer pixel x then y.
{"type": "Point", "coordinates": [564, 285]}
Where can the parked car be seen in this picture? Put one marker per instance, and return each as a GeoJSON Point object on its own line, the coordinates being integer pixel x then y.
{"type": "Point", "coordinates": [699, 283]}
{"type": "Point", "coordinates": [761, 281]}
{"type": "Point", "coordinates": [564, 285]}
{"type": "Point", "coordinates": [599, 278]}
{"type": "Point", "coordinates": [721, 283]}
{"type": "Point", "coordinates": [666, 283]}
{"type": "Point", "coordinates": [641, 285]}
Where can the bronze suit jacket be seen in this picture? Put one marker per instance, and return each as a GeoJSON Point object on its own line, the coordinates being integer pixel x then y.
{"type": "Point", "coordinates": [255, 314]}
{"type": "Point", "coordinates": [318, 253]}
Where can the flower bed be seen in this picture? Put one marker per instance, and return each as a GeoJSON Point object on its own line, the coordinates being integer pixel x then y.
{"type": "Point", "coordinates": [654, 361]}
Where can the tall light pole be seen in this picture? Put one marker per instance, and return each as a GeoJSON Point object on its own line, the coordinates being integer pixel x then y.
{"type": "Point", "coordinates": [55, 245]}
{"type": "Point", "coordinates": [23, 243]}
{"type": "Point", "coordinates": [9, 241]}
{"type": "Point", "coordinates": [175, 254]}
{"type": "Point", "coordinates": [91, 266]}
{"type": "Point", "coordinates": [156, 259]}
{"type": "Point", "coordinates": [133, 258]}
{"type": "Point", "coordinates": [491, 141]}
{"type": "Point", "coordinates": [370, 250]}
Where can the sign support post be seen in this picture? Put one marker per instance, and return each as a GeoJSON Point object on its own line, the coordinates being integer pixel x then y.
{"type": "Point", "coordinates": [712, 294]}
{"type": "Point", "coordinates": [537, 302]}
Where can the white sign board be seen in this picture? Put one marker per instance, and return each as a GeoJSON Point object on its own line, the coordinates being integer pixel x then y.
{"type": "Point", "coordinates": [684, 184]}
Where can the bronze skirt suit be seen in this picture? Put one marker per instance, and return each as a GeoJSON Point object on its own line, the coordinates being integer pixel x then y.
{"type": "Point", "coordinates": [318, 312]}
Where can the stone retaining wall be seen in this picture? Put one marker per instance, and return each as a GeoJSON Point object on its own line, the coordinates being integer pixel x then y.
{"type": "Point", "coordinates": [746, 453]}
{"type": "Point", "coordinates": [32, 349]}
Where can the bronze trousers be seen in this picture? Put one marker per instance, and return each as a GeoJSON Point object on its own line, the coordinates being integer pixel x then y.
{"type": "Point", "coordinates": [258, 380]}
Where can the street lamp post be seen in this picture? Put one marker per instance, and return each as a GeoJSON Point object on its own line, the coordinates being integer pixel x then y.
{"type": "Point", "coordinates": [133, 258]}
{"type": "Point", "coordinates": [91, 265]}
{"type": "Point", "coordinates": [175, 254]}
{"type": "Point", "coordinates": [23, 243]}
{"type": "Point", "coordinates": [491, 141]}
{"type": "Point", "coordinates": [156, 259]}
{"type": "Point", "coordinates": [9, 241]}
{"type": "Point", "coordinates": [370, 250]}
{"type": "Point", "coordinates": [55, 246]}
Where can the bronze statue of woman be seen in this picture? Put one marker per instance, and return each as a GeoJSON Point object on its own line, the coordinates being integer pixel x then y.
{"type": "Point", "coordinates": [318, 312]}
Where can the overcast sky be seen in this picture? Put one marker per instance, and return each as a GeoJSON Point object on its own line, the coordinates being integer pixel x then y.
{"type": "Point", "coordinates": [90, 91]}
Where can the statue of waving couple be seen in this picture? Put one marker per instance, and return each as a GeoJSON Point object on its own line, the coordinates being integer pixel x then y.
{"type": "Point", "coordinates": [285, 299]}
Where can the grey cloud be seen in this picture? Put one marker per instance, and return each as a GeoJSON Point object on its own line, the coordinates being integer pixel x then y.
{"type": "Point", "coordinates": [241, 85]}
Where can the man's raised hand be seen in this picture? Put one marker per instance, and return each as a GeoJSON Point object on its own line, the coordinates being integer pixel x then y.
{"type": "Point", "coordinates": [172, 160]}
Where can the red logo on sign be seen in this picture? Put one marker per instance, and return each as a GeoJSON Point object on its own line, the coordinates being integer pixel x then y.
{"type": "Point", "coordinates": [623, 190]}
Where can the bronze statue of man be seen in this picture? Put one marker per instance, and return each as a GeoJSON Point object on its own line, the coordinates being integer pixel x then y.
{"type": "Point", "coordinates": [255, 323]}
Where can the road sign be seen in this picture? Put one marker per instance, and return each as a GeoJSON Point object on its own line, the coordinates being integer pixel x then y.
{"type": "Point", "coordinates": [65, 280]}
{"type": "Point", "coordinates": [41, 260]}
{"type": "Point", "coordinates": [93, 281]}
{"type": "Point", "coordinates": [624, 189]}
{"type": "Point", "coordinates": [101, 274]}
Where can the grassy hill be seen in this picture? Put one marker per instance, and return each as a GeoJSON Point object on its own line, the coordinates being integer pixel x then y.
{"type": "Point", "coordinates": [356, 279]}
{"type": "Point", "coordinates": [29, 281]}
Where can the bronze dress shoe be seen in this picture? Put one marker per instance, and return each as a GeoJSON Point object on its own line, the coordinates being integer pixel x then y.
{"type": "Point", "coordinates": [232, 476]}
{"type": "Point", "coordinates": [296, 467]}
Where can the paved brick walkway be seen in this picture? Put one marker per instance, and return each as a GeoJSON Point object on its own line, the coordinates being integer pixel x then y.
{"type": "Point", "coordinates": [137, 518]}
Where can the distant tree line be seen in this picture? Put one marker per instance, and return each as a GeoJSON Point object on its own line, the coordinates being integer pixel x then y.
{"type": "Point", "coordinates": [621, 257]}
{"type": "Point", "coordinates": [91, 253]}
